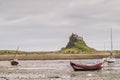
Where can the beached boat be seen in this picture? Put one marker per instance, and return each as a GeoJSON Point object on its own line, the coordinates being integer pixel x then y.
{"type": "Point", "coordinates": [110, 60]}
{"type": "Point", "coordinates": [15, 62]}
{"type": "Point", "coordinates": [111, 57]}
{"type": "Point", "coordinates": [86, 67]}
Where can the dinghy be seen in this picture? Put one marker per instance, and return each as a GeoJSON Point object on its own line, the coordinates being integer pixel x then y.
{"type": "Point", "coordinates": [14, 62]}
{"type": "Point", "coordinates": [86, 67]}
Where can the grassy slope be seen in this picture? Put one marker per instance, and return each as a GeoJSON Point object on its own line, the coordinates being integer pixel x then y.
{"type": "Point", "coordinates": [78, 48]}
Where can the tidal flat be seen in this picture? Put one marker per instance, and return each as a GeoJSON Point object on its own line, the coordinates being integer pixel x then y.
{"type": "Point", "coordinates": [56, 70]}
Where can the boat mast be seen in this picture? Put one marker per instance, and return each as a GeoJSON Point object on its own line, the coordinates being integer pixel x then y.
{"type": "Point", "coordinates": [15, 56]}
{"type": "Point", "coordinates": [111, 43]}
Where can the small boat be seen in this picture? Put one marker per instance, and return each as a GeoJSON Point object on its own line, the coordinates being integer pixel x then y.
{"type": "Point", "coordinates": [111, 58]}
{"type": "Point", "coordinates": [15, 62]}
{"type": "Point", "coordinates": [86, 67]}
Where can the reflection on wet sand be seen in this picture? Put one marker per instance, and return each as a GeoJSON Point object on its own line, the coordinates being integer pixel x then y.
{"type": "Point", "coordinates": [55, 70]}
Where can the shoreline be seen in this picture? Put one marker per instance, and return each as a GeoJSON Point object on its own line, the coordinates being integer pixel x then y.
{"type": "Point", "coordinates": [54, 56]}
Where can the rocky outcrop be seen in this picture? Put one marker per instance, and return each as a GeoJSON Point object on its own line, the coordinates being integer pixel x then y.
{"type": "Point", "coordinates": [75, 39]}
{"type": "Point", "coordinates": [76, 44]}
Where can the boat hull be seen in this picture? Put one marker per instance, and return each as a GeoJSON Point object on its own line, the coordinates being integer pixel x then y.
{"type": "Point", "coordinates": [110, 60]}
{"type": "Point", "coordinates": [81, 67]}
{"type": "Point", "coordinates": [14, 63]}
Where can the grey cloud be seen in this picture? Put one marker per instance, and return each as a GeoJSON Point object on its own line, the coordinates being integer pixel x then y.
{"type": "Point", "coordinates": [35, 24]}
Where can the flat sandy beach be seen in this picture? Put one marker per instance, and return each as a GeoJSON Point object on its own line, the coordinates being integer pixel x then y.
{"type": "Point", "coordinates": [56, 70]}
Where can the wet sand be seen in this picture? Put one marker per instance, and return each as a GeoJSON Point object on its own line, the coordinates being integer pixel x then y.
{"type": "Point", "coordinates": [56, 70]}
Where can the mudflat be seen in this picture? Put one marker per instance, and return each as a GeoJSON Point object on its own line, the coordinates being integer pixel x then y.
{"type": "Point", "coordinates": [56, 70]}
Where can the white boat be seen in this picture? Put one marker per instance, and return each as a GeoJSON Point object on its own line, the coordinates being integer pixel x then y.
{"type": "Point", "coordinates": [111, 57]}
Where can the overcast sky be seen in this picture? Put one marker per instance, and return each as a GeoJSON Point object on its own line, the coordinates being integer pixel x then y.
{"type": "Point", "coordinates": [45, 25]}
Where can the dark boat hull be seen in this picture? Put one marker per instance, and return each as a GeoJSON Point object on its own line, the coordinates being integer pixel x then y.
{"type": "Point", "coordinates": [110, 61]}
{"type": "Point", "coordinates": [81, 67]}
{"type": "Point", "coordinates": [14, 63]}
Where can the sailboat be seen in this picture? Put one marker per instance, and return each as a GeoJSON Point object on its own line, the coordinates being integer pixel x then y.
{"type": "Point", "coordinates": [111, 58]}
{"type": "Point", "coordinates": [15, 61]}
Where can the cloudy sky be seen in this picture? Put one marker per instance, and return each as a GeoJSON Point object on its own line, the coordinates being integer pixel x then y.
{"type": "Point", "coordinates": [45, 25]}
